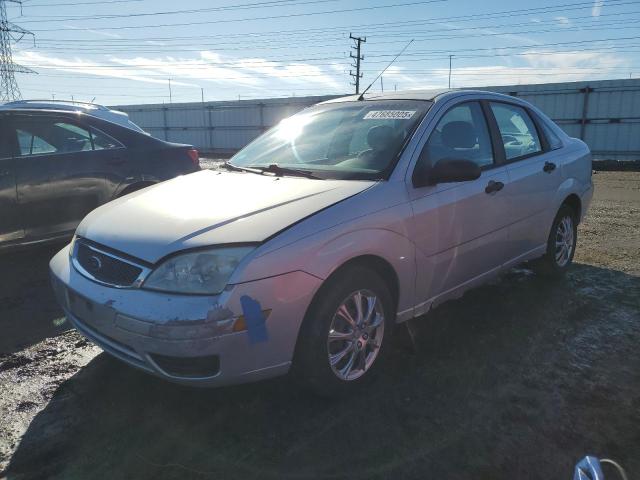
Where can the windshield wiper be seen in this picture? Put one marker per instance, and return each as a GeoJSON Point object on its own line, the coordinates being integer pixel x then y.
{"type": "Point", "coordinates": [235, 168]}
{"type": "Point", "coordinates": [279, 171]}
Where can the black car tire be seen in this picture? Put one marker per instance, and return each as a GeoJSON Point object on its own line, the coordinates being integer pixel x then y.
{"type": "Point", "coordinates": [550, 264]}
{"type": "Point", "coordinates": [312, 366]}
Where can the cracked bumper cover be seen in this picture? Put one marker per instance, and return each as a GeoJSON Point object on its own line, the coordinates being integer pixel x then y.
{"type": "Point", "coordinates": [137, 325]}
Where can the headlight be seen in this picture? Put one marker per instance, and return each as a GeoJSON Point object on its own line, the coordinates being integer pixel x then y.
{"type": "Point", "coordinates": [204, 271]}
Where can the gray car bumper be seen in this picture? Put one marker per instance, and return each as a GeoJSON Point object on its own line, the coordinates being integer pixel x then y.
{"type": "Point", "coordinates": [190, 339]}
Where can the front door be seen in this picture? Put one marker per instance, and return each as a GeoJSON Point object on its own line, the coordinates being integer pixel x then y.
{"type": "Point", "coordinates": [59, 176]}
{"type": "Point", "coordinates": [460, 229]}
{"type": "Point", "coordinates": [10, 224]}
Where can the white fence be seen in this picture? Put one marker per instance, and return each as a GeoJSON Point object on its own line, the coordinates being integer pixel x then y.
{"type": "Point", "coordinates": [605, 113]}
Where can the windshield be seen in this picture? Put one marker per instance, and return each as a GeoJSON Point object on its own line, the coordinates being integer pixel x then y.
{"type": "Point", "coordinates": [351, 140]}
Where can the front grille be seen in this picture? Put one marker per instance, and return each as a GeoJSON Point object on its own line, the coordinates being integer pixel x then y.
{"type": "Point", "coordinates": [106, 268]}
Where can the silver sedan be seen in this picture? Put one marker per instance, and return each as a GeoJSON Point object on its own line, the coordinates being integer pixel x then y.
{"type": "Point", "coordinates": [306, 249]}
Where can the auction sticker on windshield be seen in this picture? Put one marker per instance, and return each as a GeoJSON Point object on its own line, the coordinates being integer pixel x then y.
{"type": "Point", "coordinates": [389, 115]}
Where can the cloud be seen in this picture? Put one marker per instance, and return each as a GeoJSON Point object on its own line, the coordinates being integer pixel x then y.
{"type": "Point", "coordinates": [511, 37]}
{"type": "Point", "coordinates": [95, 32]}
{"type": "Point", "coordinates": [597, 8]}
{"type": "Point", "coordinates": [291, 73]}
{"type": "Point", "coordinates": [592, 62]}
{"type": "Point", "coordinates": [87, 67]}
{"type": "Point", "coordinates": [208, 67]}
{"type": "Point", "coordinates": [562, 20]}
{"type": "Point", "coordinates": [539, 66]}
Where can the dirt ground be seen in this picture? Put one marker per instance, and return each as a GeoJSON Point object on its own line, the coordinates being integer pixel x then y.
{"type": "Point", "coordinates": [518, 379]}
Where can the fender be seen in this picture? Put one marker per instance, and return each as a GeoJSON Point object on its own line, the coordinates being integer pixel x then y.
{"type": "Point", "coordinates": [388, 245]}
{"type": "Point", "coordinates": [322, 254]}
{"type": "Point", "coordinates": [567, 187]}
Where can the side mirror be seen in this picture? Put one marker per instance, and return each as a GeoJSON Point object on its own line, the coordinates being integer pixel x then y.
{"type": "Point", "coordinates": [446, 170]}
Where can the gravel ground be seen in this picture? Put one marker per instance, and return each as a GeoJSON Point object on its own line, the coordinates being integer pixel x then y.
{"type": "Point", "coordinates": [518, 379]}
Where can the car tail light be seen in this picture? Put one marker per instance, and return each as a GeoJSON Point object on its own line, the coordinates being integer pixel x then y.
{"type": "Point", "coordinates": [193, 155]}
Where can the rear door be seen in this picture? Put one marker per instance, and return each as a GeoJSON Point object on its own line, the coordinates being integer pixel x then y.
{"type": "Point", "coordinates": [460, 229]}
{"type": "Point", "coordinates": [533, 167]}
{"type": "Point", "coordinates": [10, 224]}
{"type": "Point", "coordinates": [59, 176]}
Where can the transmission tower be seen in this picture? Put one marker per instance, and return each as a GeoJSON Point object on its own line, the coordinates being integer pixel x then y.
{"type": "Point", "coordinates": [10, 32]}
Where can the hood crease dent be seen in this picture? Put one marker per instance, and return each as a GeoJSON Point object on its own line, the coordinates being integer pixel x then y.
{"type": "Point", "coordinates": [210, 208]}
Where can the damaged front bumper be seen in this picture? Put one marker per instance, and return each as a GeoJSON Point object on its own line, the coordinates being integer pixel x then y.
{"type": "Point", "coordinates": [246, 333]}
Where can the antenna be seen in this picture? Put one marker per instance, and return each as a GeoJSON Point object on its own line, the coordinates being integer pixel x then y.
{"type": "Point", "coordinates": [361, 97]}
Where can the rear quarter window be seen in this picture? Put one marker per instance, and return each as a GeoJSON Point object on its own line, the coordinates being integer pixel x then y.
{"type": "Point", "coordinates": [552, 138]}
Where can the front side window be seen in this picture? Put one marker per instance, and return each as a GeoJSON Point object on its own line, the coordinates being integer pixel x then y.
{"type": "Point", "coordinates": [31, 144]}
{"type": "Point", "coordinates": [518, 132]}
{"type": "Point", "coordinates": [462, 133]}
{"type": "Point", "coordinates": [350, 140]}
{"type": "Point", "coordinates": [37, 136]}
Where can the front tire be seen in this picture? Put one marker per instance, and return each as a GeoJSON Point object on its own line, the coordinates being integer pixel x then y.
{"type": "Point", "coordinates": [561, 244]}
{"type": "Point", "coordinates": [346, 333]}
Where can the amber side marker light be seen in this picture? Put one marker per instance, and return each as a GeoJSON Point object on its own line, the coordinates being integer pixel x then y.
{"type": "Point", "coordinates": [240, 325]}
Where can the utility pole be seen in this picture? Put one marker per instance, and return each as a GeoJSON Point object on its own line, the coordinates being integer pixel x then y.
{"type": "Point", "coordinates": [10, 32]}
{"type": "Point", "coordinates": [450, 58]}
{"type": "Point", "coordinates": [357, 57]}
{"type": "Point", "coordinates": [170, 97]}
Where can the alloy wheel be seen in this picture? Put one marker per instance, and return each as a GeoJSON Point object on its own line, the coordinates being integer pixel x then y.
{"type": "Point", "coordinates": [564, 241]}
{"type": "Point", "coordinates": [355, 335]}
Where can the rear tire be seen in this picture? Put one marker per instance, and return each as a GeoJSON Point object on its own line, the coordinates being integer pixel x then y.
{"type": "Point", "coordinates": [561, 244]}
{"type": "Point", "coordinates": [340, 346]}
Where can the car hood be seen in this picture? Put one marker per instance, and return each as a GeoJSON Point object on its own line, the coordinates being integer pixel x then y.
{"type": "Point", "coordinates": [209, 208]}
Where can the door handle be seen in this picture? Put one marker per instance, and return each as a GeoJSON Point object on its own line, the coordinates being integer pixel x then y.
{"type": "Point", "coordinates": [493, 187]}
{"type": "Point", "coordinates": [549, 167]}
{"type": "Point", "coordinates": [116, 161]}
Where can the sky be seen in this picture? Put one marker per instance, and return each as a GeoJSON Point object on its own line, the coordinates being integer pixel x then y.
{"type": "Point", "coordinates": [122, 52]}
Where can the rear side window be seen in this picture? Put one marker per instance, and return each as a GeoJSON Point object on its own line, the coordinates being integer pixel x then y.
{"type": "Point", "coordinates": [74, 138]}
{"type": "Point", "coordinates": [37, 136]}
{"type": "Point", "coordinates": [518, 132]}
{"type": "Point", "coordinates": [461, 133]}
{"type": "Point", "coordinates": [102, 141]}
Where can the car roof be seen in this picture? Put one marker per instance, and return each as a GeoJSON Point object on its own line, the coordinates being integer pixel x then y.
{"type": "Point", "coordinates": [430, 95]}
{"type": "Point", "coordinates": [93, 109]}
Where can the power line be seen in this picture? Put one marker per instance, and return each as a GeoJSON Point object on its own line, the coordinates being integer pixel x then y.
{"type": "Point", "coordinates": [391, 28]}
{"type": "Point", "coordinates": [458, 18]}
{"type": "Point", "coordinates": [381, 31]}
{"type": "Point", "coordinates": [212, 9]}
{"type": "Point", "coordinates": [480, 70]}
{"type": "Point", "coordinates": [181, 48]}
{"type": "Point", "coordinates": [101, 2]}
{"type": "Point", "coordinates": [272, 17]}
{"type": "Point", "coordinates": [272, 62]}
{"type": "Point", "coordinates": [273, 3]}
